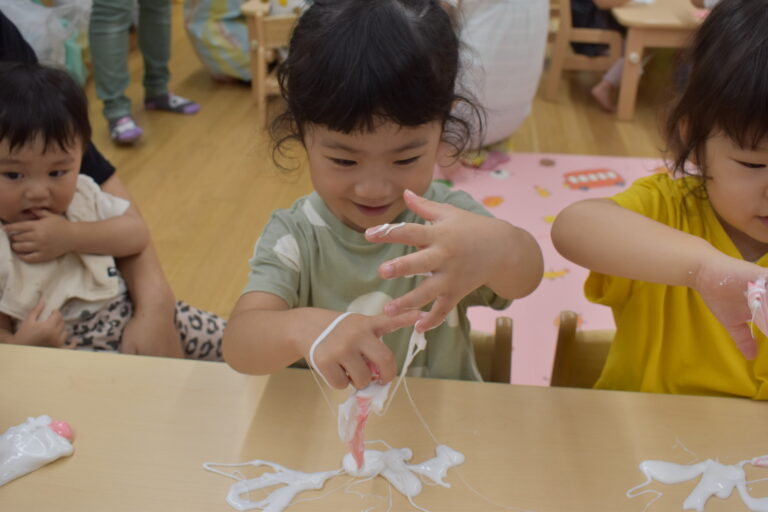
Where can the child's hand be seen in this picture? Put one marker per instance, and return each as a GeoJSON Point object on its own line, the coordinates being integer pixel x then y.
{"type": "Point", "coordinates": [44, 239]}
{"type": "Point", "coordinates": [722, 283]}
{"type": "Point", "coordinates": [344, 354]}
{"type": "Point", "coordinates": [460, 249]}
{"type": "Point", "coordinates": [41, 333]}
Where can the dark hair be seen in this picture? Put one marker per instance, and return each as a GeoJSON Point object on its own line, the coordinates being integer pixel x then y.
{"type": "Point", "coordinates": [39, 101]}
{"type": "Point", "coordinates": [727, 88]}
{"type": "Point", "coordinates": [353, 63]}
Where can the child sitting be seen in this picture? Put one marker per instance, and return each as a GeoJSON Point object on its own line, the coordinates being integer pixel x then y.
{"type": "Point", "coordinates": [673, 257]}
{"type": "Point", "coordinates": [374, 117]}
{"type": "Point", "coordinates": [58, 282]}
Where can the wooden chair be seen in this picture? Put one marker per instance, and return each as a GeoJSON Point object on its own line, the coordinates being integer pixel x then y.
{"type": "Point", "coordinates": [493, 352]}
{"type": "Point", "coordinates": [580, 355]}
{"type": "Point", "coordinates": [554, 20]}
{"type": "Point", "coordinates": [266, 34]}
{"type": "Point", "coordinates": [563, 57]}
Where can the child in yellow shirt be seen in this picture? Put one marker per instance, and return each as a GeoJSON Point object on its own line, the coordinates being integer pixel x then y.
{"type": "Point", "coordinates": [672, 257]}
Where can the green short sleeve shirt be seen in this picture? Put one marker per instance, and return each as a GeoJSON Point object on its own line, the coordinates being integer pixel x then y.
{"type": "Point", "coordinates": [309, 258]}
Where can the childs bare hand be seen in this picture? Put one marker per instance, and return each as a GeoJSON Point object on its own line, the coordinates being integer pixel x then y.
{"type": "Point", "coordinates": [44, 239]}
{"type": "Point", "coordinates": [722, 283]}
{"type": "Point", "coordinates": [345, 353]}
{"type": "Point", "coordinates": [34, 331]}
{"type": "Point", "coordinates": [457, 249]}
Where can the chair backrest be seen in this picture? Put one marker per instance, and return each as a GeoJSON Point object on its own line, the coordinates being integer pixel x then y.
{"type": "Point", "coordinates": [580, 355]}
{"type": "Point", "coordinates": [563, 8]}
{"type": "Point", "coordinates": [271, 31]}
{"type": "Point", "coordinates": [493, 352]}
{"type": "Point", "coordinates": [563, 58]}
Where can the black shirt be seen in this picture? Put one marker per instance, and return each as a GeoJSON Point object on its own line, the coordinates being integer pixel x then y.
{"type": "Point", "coordinates": [14, 48]}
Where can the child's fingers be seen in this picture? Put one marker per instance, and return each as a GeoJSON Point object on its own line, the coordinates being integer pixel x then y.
{"type": "Point", "coordinates": [31, 257]}
{"type": "Point", "coordinates": [424, 208]}
{"type": "Point", "coordinates": [37, 310]}
{"type": "Point", "coordinates": [333, 372]}
{"type": "Point", "coordinates": [742, 336]}
{"type": "Point", "coordinates": [417, 235]}
{"type": "Point", "coordinates": [55, 319]}
{"type": "Point", "coordinates": [423, 294]}
{"type": "Point", "coordinates": [18, 227]}
{"type": "Point", "coordinates": [384, 324]}
{"type": "Point", "coordinates": [23, 246]}
{"type": "Point", "coordinates": [357, 370]}
{"type": "Point", "coordinates": [420, 262]}
{"type": "Point", "coordinates": [436, 316]}
{"type": "Point", "coordinates": [22, 236]}
{"type": "Point", "coordinates": [63, 340]}
{"type": "Point", "coordinates": [382, 358]}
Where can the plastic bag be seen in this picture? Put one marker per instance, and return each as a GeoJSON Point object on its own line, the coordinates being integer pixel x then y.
{"type": "Point", "coordinates": [47, 29]}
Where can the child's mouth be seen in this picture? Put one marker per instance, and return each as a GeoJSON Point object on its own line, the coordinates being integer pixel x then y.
{"type": "Point", "coordinates": [32, 213]}
{"type": "Point", "coordinates": [373, 211]}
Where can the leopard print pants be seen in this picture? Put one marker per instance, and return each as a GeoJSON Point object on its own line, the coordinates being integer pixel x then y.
{"type": "Point", "coordinates": [200, 331]}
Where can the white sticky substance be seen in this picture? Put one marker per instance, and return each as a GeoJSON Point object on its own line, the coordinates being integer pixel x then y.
{"type": "Point", "coordinates": [390, 464]}
{"type": "Point", "coordinates": [386, 228]}
{"type": "Point", "coordinates": [293, 482]}
{"type": "Point", "coordinates": [756, 299]}
{"type": "Point", "coordinates": [29, 446]}
{"type": "Point", "coordinates": [348, 409]}
{"type": "Point", "coordinates": [716, 480]}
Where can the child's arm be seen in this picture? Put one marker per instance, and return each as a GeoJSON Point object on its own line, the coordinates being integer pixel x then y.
{"type": "Point", "coordinates": [463, 251]}
{"type": "Point", "coordinates": [34, 331]}
{"type": "Point", "coordinates": [609, 239]}
{"type": "Point", "coordinates": [52, 235]}
{"type": "Point", "coordinates": [151, 330]}
{"type": "Point", "coordinates": [263, 335]}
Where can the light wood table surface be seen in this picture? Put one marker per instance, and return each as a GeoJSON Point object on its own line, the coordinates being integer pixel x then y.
{"type": "Point", "coordinates": [661, 24]}
{"type": "Point", "coordinates": [144, 427]}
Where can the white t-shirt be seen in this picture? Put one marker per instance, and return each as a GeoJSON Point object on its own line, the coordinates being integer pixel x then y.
{"type": "Point", "coordinates": [73, 283]}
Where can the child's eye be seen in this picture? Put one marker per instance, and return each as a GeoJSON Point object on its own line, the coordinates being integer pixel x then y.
{"type": "Point", "coordinates": [750, 165]}
{"type": "Point", "coordinates": [57, 174]}
{"type": "Point", "coordinates": [406, 161]}
{"type": "Point", "coordinates": [342, 162]}
{"type": "Point", "coordinates": [12, 176]}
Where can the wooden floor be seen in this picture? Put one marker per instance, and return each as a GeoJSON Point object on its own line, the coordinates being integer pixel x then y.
{"type": "Point", "coordinates": [206, 184]}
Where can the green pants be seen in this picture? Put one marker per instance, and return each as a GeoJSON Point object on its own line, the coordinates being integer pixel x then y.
{"type": "Point", "coordinates": [108, 38]}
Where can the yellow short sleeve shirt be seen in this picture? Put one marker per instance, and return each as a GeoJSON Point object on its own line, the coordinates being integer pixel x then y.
{"type": "Point", "coordinates": [667, 340]}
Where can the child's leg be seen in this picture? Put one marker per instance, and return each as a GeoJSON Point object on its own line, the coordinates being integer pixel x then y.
{"type": "Point", "coordinates": [605, 91]}
{"type": "Point", "coordinates": [155, 44]}
{"type": "Point", "coordinates": [108, 41]}
{"type": "Point", "coordinates": [200, 332]}
{"type": "Point", "coordinates": [102, 330]}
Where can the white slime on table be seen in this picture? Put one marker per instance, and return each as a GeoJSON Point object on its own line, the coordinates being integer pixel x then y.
{"type": "Point", "coordinates": [390, 464]}
{"type": "Point", "coordinates": [717, 479]}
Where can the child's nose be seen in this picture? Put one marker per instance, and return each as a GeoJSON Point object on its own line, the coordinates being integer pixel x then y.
{"type": "Point", "coordinates": [374, 188]}
{"type": "Point", "coordinates": [37, 192]}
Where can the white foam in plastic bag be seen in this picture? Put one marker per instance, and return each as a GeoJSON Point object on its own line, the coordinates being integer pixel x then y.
{"type": "Point", "coordinates": [31, 445]}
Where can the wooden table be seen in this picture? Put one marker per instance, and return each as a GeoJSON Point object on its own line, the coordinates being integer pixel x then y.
{"type": "Point", "coordinates": [145, 425]}
{"type": "Point", "coordinates": [662, 24]}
